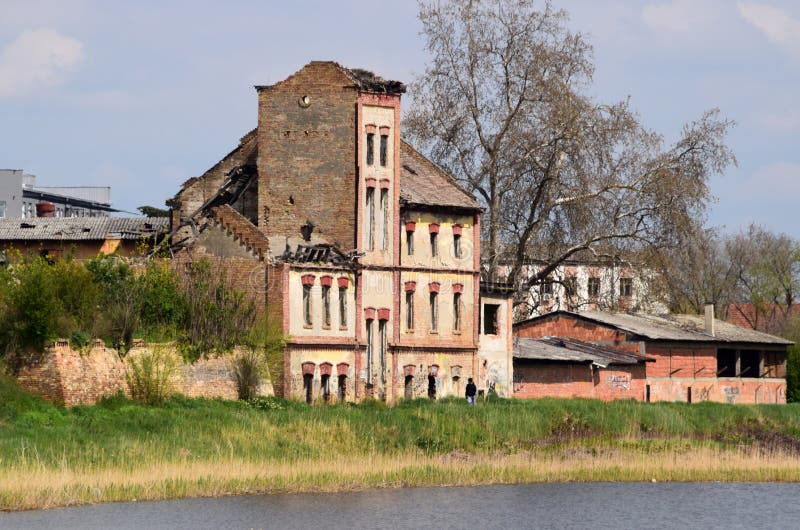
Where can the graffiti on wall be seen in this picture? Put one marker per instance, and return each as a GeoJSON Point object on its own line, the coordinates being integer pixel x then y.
{"type": "Point", "coordinates": [622, 382]}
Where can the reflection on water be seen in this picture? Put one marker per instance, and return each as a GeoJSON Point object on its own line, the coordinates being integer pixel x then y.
{"type": "Point", "coordinates": [593, 505]}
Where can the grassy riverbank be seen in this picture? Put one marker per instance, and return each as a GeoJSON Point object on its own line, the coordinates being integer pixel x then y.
{"type": "Point", "coordinates": [120, 450]}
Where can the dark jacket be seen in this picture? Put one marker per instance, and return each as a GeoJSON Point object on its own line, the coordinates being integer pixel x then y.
{"type": "Point", "coordinates": [471, 390]}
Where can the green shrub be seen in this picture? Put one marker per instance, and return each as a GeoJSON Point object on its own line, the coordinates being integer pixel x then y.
{"type": "Point", "coordinates": [248, 368]}
{"type": "Point", "coordinates": [149, 376]}
{"type": "Point", "coordinates": [793, 374]}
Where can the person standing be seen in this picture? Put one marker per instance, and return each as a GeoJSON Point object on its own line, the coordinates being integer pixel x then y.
{"type": "Point", "coordinates": [471, 391]}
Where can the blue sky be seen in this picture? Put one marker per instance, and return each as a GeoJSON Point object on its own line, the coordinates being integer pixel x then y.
{"type": "Point", "coordinates": [142, 95]}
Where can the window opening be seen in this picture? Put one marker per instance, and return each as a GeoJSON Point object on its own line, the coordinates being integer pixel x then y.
{"type": "Point", "coordinates": [307, 305]}
{"type": "Point", "coordinates": [431, 386]}
{"type": "Point", "coordinates": [370, 149]}
{"type": "Point", "coordinates": [434, 244]}
{"type": "Point", "coordinates": [384, 218]}
{"type": "Point", "coordinates": [726, 362]}
{"type": "Point", "coordinates": [343, 307]}
{"type": "Point", "coordinates": [369, 351]}
{"type": "Point", "coordinates": [594, 287]}
{"type": "Point", "coordinates": [410, 242]}
{"type": "Point", "coordinates": [326, 392]}
{"type": "Point", "coordinates": [626, 287]}
{"type": "Point", "coordinates": [308, 381]}
{"type": "Point", "coordinates": [370, 218]}
{"type": "Point", "coordinates": [384, 148]}
{"type": "Point", "coordinates": [409, 387]}
{"type": "Point", "coordinates": [434, 311]}
{"type": "Point", "coordinates": [326, 306]}
{"type": "Point", "coordinates": [456, 311]}
{"type": "Point", "coordinates": [342, 387]}
{"type": "Point", "coordinates": [409, 310]}
{"type": "Point", "coordinates": [457, 245]}
{"type": "Point", "coordinates": [490, 315]}
{"type": "Point", "coordinates": [750, 363]}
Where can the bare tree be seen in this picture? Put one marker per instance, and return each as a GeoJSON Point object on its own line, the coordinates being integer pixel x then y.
{"type": "Point", "coordinates": [767, 269]}
{"type": "Point", "coordinates": [697, 272]}
{"type": "Point", "coordinates": [502, 107]}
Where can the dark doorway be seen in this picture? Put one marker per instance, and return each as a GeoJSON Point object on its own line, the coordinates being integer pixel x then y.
{"type": "Point", "coordinates": [409, 389]}
{"type": "Point", "coordinates": [342, 387]}
{"type": "Point", "coordinates": [431, 387]}
{"type": "Point", "coordinates": [726, 363]}
{"type": "Point", "coordinates": [750, 363]}
{"type": "Point", "coordinates": [324, 388]}
{"type": "Point", "coordinates": [308, 381]}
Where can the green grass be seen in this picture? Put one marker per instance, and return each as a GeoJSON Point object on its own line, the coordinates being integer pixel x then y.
{"type": "Point", "coordinates": [122, 435]}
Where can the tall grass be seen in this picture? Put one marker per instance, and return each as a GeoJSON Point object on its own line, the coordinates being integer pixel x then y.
{"type": "Point", "coordinates": [120, 449]}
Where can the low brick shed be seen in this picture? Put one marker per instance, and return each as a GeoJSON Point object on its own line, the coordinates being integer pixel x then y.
{"type": "Point", "coordinates": [689, 358]}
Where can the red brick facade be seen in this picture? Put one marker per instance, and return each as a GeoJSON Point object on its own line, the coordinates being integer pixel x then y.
{"type": "Point", "coordinates": [677, 371]}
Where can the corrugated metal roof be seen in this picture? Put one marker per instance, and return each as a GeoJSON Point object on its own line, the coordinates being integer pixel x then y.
{"type": "Point", "coordinates": [80, 228]}
{"type": "Point", "coordinates": [684, 328]}
{"type": "Point", "coordinates": [101, 194]}
{"type": "Point", "coordinates": [571, 350]}
{"type": "Point", "coordinates": [424, 183]}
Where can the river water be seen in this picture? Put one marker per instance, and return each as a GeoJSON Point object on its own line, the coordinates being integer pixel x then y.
{"type": "Point", "coordinates": [576, 505]}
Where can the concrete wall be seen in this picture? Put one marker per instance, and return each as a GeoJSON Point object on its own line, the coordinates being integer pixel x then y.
{"type": "Point", "coordinates": [495, 351]}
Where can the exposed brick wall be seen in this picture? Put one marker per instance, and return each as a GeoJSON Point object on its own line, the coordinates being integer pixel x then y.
{"type": "Point", "coordinates": [560, 326]}
{"type": "Point", "coordinates": [542, 379]}
{"type": "Point", "coordinates": [69, 377]}
{"type": "Point", "coordinates": [307, 156]}
{"type": "Point", "coordinates": [681, 361]}
{"type": "Point", "coordinates": [242, 230]}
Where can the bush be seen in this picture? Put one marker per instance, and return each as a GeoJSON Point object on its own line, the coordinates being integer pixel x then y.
{"type": "Point", "coordinates": [150, 374]}
{"type": "Point", "coordinates": [793, 374]}
{"type": "Point", "coordinates": [248, 368]}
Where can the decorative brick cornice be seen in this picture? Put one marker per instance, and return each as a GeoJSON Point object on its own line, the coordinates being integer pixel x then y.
{"type": "Point", "coordinates": [343, 281]}
{"type": "Point", "coordinates": [369, 313]}
{"type": "Point", "coordinates": [384, 130]}
{"type": "Point", "coordinates": [342, 368]}
{"type": "Point", "coordinates": [384, 184]}
{"type": "Point", "coordinates": [370, 182]}
{"type": "Point", "coordinates": [383, 313]}
{"type": "Point", "coordinates": [370, 128]}
{"type": "Point", "coordinates": [308, 279]}
{"type": "Point", "coordinates": [326, 280]}
{"type": "Point", "coordinates": [410, 286]}
{"type": "Point", "coordinates": [458, 288]}
{"type": "Point", "coordinates": [411, 226]}
{"type": "Point", "coordinates": [433, 287]}
{"type": "Point", "coordinates": [456, 230]}
{"type": "Point", "coordinates": [433, 228]}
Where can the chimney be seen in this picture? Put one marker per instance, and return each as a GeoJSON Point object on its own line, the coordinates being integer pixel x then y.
{"type": "Point", "coordinates": [45, 209]}
{"type": "Point", "coordinates": [710, 328]}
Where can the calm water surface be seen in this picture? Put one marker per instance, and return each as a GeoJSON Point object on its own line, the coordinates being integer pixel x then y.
{"type": "Point", "coordinates": [595, 505]}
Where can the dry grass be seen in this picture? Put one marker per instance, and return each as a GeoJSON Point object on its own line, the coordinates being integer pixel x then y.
{"type": "Point", "coordinates": [32, 486]}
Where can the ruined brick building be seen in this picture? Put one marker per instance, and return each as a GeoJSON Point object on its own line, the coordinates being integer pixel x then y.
{"type": "Point", "coordinates": [362, 250]}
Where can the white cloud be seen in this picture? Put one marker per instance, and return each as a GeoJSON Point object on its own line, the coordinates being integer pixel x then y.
{"type": "Point", "coordinates": [37, 58]}
{"type": "Point", "coordinates": [778, 25]}
{"type": "Point", "coordinates": [678, 16]}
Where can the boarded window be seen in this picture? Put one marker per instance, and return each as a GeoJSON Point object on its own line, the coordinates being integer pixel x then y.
{"type": "Point", "coordinates": [384, 149]}
{"type": "Point", "coordinates": [370, 149]}
{"type": "Point", "coordinates": [434, 300]}
{"type": "Point", "coordinates": [384, 218]}
{"type": "Point", "coordinates": [409, 310]}
{"type": "Point", "coordinates": [343, 307]}
{"type": "Point", "coordinates": [326, 306]}
{"type": "Point", "coordinates": [307, 305]}
{"type": "Point", "coordinates": [491, 313]}
{"type": "Point", "coordinates": [456, 311]}
{"type": "Point", "coordinates": [370, 218]}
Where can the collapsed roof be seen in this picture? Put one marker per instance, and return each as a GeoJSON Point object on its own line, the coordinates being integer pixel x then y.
{"type": "Point", "coordinates": [559, 349]}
